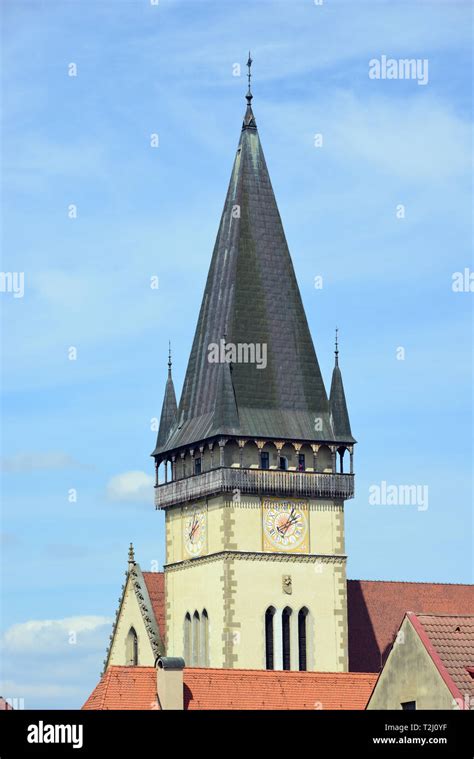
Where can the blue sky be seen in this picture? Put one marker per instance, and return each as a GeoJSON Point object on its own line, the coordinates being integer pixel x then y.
{"type": "Point", "coordinates": [143, 212]}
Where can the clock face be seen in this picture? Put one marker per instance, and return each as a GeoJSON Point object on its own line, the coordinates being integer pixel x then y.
{"type": "Point", "coordinates": [194, 532]}
{"type": "Point", "coordinates": [285, 525]}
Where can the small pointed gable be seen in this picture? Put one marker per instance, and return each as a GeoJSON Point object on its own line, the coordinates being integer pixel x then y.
{"type": "Point", "coordinates": [339, 414]}
{"type": "Point", "coordinates": [169, 412]}
{"type": "Point", "coordinates": [337, 404]}
{"type": "Point", "coordinates": [226, 416]}
{"type": "Point", "coordinates": [141, 608]}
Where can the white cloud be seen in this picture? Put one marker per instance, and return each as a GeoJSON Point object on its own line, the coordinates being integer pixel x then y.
{"type": "Point", "coordinates": [418, 139]}
{"type": "Point", "coordinates": [28, 462]}
{"type": "Point", "coordinates": [131, 486]}
{"type": "Point", "coordinates": [414, 139]}
{"type": "Point", "coordinates": [45, 667]}
{"type": "Point", "coordinates": [49, 636]}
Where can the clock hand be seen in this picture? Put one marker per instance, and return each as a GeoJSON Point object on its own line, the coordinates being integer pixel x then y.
{"type": "Point", "coordinates": [282, 528]}
{"type": "Point", "coordinates": [289, 522]}
{"type": "Point", "coordinates": [194, 527]}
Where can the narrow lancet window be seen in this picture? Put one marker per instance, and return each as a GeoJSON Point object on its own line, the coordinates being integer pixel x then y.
{"type": "Point", "coordinates": [286, 637]}
{"type": "Point", "coordinates": [269, 659]}
{"type": "Point", "coordinates": [302, 639]}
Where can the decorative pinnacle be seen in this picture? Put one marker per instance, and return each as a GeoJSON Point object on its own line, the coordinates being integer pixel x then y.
{"type": "Point", "coordinates": [249, 95]}
{"type": "Point", "coordinates": [131, 555]}
{"type": "Point", "coordinates": [169, 359]}
{"type": "Point", "coordinates": [336, 352]}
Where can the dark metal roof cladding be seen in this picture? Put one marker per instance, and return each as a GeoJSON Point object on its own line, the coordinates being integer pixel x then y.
{"type": "Point", "coordinates": [169, 412]}
{"type": "Point", "coordinates": [252, 296]}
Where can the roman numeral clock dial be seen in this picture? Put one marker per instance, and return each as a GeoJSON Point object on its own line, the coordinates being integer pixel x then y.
{"type": "Point", "coordinates": [194, 532]}
{"type": "Point", "coordinates": [285, 525]}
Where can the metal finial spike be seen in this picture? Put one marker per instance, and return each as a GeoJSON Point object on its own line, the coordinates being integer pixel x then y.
{"type": "Point", "coordinates": [337, 348]}
{"type": "Point", "coordinates": [131, 554]}
{"type": "Point", "coordinates": [169, 357]}
{"type": "Point", "coordinates": [249, 95]}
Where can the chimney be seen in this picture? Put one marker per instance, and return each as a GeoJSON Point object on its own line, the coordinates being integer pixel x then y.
{"type": "Point", "coordinates": [170, 685]}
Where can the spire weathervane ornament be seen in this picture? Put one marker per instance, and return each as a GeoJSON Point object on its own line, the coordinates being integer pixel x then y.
{"type": "Point", "coordinates": [169, 358]}
{"type": "Point", "coordinates": [131, 556]}
{"type": "Point", "coordinates": [249, 118]}
{"type": "Point", "coordinates": [336, 352]}
{"type": "Point", "coordinates": [249, 95]}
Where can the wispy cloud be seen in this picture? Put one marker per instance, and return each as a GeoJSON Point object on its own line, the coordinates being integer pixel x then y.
{"type": "Point", "coordinates": [131, 486]}
{"type": "Point", "coordinates": [32, 461]}
{"type": "Point", "coordinates": [52, 635]}
{"type": "Point", "coordinates": [53, 662]}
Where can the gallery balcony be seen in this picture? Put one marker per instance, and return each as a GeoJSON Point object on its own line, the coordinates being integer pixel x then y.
{"type": "Point", "coordinates": [254, 481]}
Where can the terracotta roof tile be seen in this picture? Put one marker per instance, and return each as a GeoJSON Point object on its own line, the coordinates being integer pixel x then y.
{"type": "Point", "coordinates": [124, 688]}
{"type": "Point", "coordinates": [262, 689]}
{"type": "Point", "coordinates": [135, 688]}
{"type": "Point", "coordinates": [376, 610]}
{"type": "Point", "coordinates": [452, 644]}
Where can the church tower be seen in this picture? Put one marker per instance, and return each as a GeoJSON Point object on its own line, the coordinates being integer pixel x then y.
{"type": "Point", "coordinates": [256, 460]}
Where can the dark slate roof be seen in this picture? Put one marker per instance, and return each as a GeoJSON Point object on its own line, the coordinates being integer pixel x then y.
{"type": "Point", "coordinates": [252, 296]}
{"type": "Point", "coordinates": [169, 412]}
{"type": "Point", "coordinates": [338, 408]}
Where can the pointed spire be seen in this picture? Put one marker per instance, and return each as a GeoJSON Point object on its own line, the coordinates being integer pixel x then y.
{"type": "Point", "coordinates": [131, 556]}
{"type": "Point", "coordinates": [169, 411]}
{"type": "Point", "coordinates": [250, 275]}
{"type": "Point", "coordinates": [337, 402]}
{"type": "Point", "coordinates": [249, 119]}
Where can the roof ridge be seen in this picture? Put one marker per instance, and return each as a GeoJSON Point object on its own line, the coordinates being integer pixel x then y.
{"type": "Point", "coordinates": [442, 614]}
{"type": "Point", "coordinates": [133, 667]}
{"type": "Point", "coordinates": [414, 582]}
{"type": "Point", "coordinates": [269, 672]}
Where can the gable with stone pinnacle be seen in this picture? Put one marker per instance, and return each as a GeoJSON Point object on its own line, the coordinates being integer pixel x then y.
{"type": "Point", "coordinates": [138, 609]}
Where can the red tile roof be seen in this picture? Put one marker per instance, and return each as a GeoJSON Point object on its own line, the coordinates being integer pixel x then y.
{"type": "Point", "coordinates": [449, 640]}
{"type": "Point", "coordinates": [135, 688]}
{"type": "Point", "coordinates": [266, 689]}
{"type": "Point", "coordinates": [155, 583]}
{"type": "Point", "coordinates": [124, 688]}
{"type": "Point", "coordinates": [376, 609]}
{"type": "Point", "coordinates": [4, 705]}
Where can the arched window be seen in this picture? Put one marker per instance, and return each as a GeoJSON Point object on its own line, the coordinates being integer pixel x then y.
{"type": "Point", "coordinates": [302, 639]}
{"type": "Point", "coordinates": [341, 451]}
{"type": "Point", "coordinates": [196, 640]}
{"type": "Point", "coordinates": [204, 658]}
{"type": "Point", "coordinates": [269, 657]}
{"type": "Point", "coordinates": [286, 639]}
{"type": "Point", "coordinates": [187, 639]}
{"type": "Point", "coordinates": [131, 646]}
{"type": "Point", "coordinates": [324, 459]}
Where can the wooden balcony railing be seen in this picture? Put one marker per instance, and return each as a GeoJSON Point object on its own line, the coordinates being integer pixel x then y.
{"type": "Point", "coordinates": [261, 481]}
